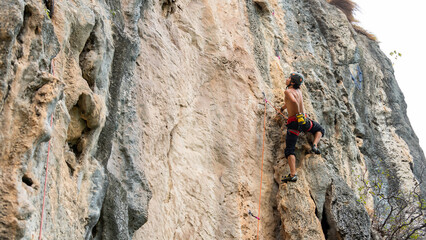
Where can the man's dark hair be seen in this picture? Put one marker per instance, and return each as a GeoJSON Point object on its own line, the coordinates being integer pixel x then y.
{"type": "Point", "coordinates": [296, 79]}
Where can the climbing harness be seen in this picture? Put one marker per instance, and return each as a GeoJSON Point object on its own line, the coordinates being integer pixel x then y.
{"type": "Point", "coordinates": [301, 119]}
{"type": "Point", "coordinates": [47, 166]}
{"type": "Point", "coordinates": [295, 132]}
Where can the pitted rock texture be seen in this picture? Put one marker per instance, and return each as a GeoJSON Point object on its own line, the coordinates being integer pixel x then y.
{"type": "Point", "coordinates": [157, 116]}
{"type": "Point", "coordinates": [56, 78]}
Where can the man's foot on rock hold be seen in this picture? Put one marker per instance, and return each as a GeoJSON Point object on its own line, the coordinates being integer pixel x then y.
{"type": "Point", "coordinates": [315, 149]}
{"type": "Point", "coordinates": [289, 178]}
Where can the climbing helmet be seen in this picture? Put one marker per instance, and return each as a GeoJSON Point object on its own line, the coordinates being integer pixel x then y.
{"type": "Point", "coordinates": [296, 78]}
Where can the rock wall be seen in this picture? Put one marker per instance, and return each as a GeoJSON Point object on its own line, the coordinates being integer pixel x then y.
{"type": "Point", "coordinates": [75, 69]}
{"type": "Point", "coordinates": [143, 103]}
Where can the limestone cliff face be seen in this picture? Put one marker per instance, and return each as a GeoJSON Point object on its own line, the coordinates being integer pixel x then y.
{"type": "Point", "coordinates": [151, 115]}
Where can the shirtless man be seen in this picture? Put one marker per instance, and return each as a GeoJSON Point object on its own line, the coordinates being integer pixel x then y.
{"type": "Point", "coordinates": [297, 121]}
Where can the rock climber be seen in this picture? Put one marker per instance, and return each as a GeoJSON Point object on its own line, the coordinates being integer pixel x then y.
{"type": "Point", "coordinates": [298, 121]}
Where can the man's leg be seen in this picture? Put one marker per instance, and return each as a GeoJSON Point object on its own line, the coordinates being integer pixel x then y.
{"type": "Point", "coordinates": [318, 131]}
{"type": "Point", "coordinates": [317, 137]}
{"type": "Point", "coordinates": [292, 163]}
{"type": "Point", "coordinates": [291, 140]}
{"type": "Point", "coordinates": [292, 177]}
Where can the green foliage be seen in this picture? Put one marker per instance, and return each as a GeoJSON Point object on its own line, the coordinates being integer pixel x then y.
{"type": "Point", "coordinates": [47, 12]}
{"type": "Point", "coordinates": [414, 236]}
{"type": "Point", "coordinates": [397, 215]}
{"type": "Point", "coordinates": [395, 55]}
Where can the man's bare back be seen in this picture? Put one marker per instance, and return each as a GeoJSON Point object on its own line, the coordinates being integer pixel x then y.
{"type": "Point", "coordinates": [294, 101]}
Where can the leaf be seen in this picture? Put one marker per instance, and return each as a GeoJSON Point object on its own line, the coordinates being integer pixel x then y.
{"type": "Point", "coordinates": [47, 12]}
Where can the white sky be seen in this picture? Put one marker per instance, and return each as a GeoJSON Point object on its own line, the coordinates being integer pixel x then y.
{"type": "Point", "coordinates": [401, 26]}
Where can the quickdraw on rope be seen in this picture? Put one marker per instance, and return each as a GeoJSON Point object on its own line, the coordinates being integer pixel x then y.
{"type": "Point", "coordinates": [277, 53]}
{"type": "Point", "coordinates": [277, 47]}
{"type": "Point", "coordinates": [251, 214]}
{"type": "Point", "coordinates": [47, 166]}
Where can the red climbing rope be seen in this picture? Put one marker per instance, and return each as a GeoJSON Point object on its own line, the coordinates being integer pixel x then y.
{"type": "Point", "coordinates": [261, 171]}
{"type": "Point", "coordinates": [276, 109]}
{"type": "Point", "coordinates": [47, 166]}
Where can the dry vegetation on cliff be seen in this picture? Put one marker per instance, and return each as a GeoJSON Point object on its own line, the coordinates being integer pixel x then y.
{"type": "Point", "coordinates": [348, 7]}
{"type": "Point", "coordinates": [397, 214]}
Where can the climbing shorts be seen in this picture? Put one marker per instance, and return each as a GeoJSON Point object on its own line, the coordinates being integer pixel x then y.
{"type": "Point", "coordinates": [315, 127]}
{"type": "Point", "coordinates": [291, 138]}
{"type": "Point", "coordinates": [293, 131]}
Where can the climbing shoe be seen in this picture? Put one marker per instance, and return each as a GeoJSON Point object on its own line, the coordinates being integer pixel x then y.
{"type": "Point", "coordinates": [315, 149]}
{"type": "Point", "coordinates": [289, 178]}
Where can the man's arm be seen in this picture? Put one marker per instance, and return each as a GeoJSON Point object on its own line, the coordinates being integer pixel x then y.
{"type": "Point", "coordinates": [283, 107]}
{"type": "Point", "coordinates": [277, 116]}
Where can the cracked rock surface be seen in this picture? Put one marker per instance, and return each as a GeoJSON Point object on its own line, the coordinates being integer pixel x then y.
{"type": "Point", "coordinates": [152, 112]}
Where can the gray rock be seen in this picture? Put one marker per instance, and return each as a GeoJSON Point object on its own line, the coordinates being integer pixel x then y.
{"type": "Point", "coordinates": [344, 216]}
